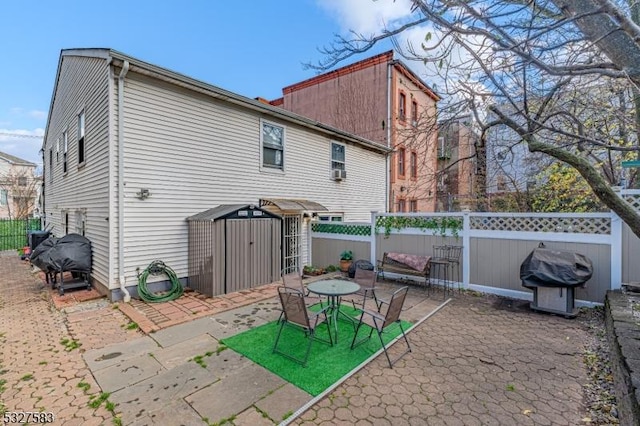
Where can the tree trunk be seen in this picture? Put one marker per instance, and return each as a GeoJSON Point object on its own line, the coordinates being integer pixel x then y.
{"type": "Point", "coordinates": [600, 28]}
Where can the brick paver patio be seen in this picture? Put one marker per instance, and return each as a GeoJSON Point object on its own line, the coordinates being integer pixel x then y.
{"type": "Point", "coordinates": [478, 361]}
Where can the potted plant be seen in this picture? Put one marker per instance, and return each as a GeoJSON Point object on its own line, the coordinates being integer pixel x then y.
{"type": "Point", "coordinates": [346, 257]}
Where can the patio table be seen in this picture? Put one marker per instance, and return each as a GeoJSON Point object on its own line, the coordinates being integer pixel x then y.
{"type": "Point", "coordinates": [334, 290]}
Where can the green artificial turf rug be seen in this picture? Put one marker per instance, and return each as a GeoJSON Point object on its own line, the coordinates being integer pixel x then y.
{"type": "Point", "coordinates": [326, 364]}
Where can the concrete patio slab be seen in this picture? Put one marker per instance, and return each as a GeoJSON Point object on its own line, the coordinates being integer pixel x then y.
{"type": "Point", "coordinates": [127, 372]}
{"type": "Point", "coordinates": [235, 393]}
{"type": "Point", "coordinates": [182, 332]}
{"type": "Point", "coordinates": [175, 412]}
{"type": "Point", "coordinates": [152, 394]}
{"type": "Point", "coordinates": [97, 359]}
{"type": "Point", "coordinates": [182, 352]}
{"type": "Point", "coordinates": [238, 320]}
{"type": "Point", "coordinates": [281, 403]}
{"type": "Point", "coordinates": [225, 363]}
{"type": "Point", "coordinates": [252, 417]}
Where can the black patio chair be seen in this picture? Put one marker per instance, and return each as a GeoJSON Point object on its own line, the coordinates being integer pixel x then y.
{"type": "Point", "coordinates": [294, 280]}
{"type": "Point", "coordinates": [367, 281]}
{"type": "Point", "coordinates": [378, 322]}
{"type": "Point", "coordinates": [297, 315]}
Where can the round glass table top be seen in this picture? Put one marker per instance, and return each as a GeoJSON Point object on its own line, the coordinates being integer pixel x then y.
{"type": "Point", "coordinates": [333, 287]}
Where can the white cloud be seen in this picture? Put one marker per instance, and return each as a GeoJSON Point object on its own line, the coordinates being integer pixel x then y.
{"type": "Point", "coordinates": [22, 143]}
{"type": "Point", "coordinates": [366, 16]}
{"type": "Point", "coordinates": [40, 115]}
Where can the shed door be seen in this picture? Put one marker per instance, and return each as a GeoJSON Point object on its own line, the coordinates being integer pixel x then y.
{"type": "Point", "coordinates": [248, 253]}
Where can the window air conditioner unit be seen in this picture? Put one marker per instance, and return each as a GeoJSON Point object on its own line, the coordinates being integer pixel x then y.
{"type": "Point", "coordinates": [338, 174]}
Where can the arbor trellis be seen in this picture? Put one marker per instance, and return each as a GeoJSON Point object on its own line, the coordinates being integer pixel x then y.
{"type": "Point", "coordinates": [561, 75]}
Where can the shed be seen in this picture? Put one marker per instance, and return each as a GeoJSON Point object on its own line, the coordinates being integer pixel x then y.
{"type": "Point", "coordinates": [233, 247]}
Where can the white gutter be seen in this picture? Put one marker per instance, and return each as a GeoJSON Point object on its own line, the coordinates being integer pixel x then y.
{"type": "Point", "coordinates": [121, 279]}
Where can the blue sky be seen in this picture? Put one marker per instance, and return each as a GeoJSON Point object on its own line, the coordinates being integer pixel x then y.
{"type": "Point", "coordinates": [252, 48]}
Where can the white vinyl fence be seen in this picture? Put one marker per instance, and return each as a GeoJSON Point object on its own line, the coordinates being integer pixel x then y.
{"type": "Point", "coordinates": [494, 245]}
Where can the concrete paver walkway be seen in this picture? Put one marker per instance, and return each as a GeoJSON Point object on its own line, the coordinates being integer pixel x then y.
{"type": "Point", "coordinates": [478, 361]}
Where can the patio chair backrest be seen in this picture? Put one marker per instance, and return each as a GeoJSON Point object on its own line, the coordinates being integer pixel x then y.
{"type": "Point", "coordinates": [293, 306]}
{"type": "Point", "coordinates": [440, 253]}
{"type": "Point", "coordinates": [395, 306]}
{"type": "Point", "coordinates": [366, 278]}
{"type": "Point", "coordinates": [454, 253]}
{"type": "Point", "coordinates": [293, 280]}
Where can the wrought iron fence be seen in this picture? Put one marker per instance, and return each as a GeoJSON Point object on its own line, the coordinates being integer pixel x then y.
{"type": "Point", "coordinates": [14, 233]}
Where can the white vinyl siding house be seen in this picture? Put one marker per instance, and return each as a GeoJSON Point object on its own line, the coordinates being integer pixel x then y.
{"type": "Point", "coordinates": [190, 147]}
{"type": "Point", "coordinates": [85, 87]}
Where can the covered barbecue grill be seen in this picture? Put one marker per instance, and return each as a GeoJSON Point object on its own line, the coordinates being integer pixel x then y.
{"type": "Point", "coordinates": [553, 275]}
{"type": "Point", "coordinates": [71, 253]}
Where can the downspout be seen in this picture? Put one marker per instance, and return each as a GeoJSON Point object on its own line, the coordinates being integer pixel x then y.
{"type": "Point", "coordinates": [121, 280]}
{"type": "Point", "coordinates": [387, 163]}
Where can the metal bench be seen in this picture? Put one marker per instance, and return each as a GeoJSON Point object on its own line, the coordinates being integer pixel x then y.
{"type": "Point", "coordinates": [405, 264]}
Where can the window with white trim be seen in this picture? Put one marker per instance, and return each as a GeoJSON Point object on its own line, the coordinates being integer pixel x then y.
{"type": "Point", "coordinates": [65, 221]}
{"type": "Point", "coordinates": [272, 141]}
{"type": "Point", "coordinates": [65, 148]}
{"type": "Point", "coordinates": [51, 165]}
{"type": "Point", "coordinates": [337, 156]}
{"type": "Point", "coordinates": [4, 197]}
{"type": "Point", "coordinates": [81, 219]}
{"type": "Point", "coordinates": [81, 143]}
{"type": "Point", "coordinates": [330, 217]}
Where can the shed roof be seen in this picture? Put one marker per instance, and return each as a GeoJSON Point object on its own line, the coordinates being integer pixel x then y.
{"type": "Point", "coordinates": [225, 210]}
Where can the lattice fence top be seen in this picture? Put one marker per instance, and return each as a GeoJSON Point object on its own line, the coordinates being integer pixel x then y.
{"type": "Point", "coordinates": [633, 200]}
{"type": "Point", "coordinates": [577, 225]}
{"type": "Point", "coordinates": [344, 229]}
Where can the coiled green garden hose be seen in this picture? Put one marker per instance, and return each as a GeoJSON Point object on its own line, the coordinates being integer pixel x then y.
{"type": "Point", "coordinates": [158, 267]}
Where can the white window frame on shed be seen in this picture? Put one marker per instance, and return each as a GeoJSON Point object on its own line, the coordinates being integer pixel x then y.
{"type": "Point", "coordinates": [266, 144]}
{"type": "Point", "coordinates": [338, 163]}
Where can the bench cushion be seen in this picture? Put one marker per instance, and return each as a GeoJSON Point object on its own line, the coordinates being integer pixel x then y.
{"type": "Point", "coordinates": [411, 261]}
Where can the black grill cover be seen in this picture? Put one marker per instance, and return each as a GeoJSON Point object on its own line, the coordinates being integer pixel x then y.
{"type": "Point", "coordinates": [359, 264]}
{"type": "Point", "coordinates": [69, 253]}
{"type": "Point", "coordinates": [555, 268]}
{"type": "Point", "coordinates": [40, 255]}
